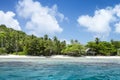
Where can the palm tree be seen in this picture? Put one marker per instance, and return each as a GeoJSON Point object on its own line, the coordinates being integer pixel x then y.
{"type": "Point", "coordinates": [97, 40]}
{"type": "Point", "coordinates": [46, 37]}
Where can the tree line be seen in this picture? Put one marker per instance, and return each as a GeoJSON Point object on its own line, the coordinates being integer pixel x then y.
{"type": "Point", "coordinates": [19, 43]}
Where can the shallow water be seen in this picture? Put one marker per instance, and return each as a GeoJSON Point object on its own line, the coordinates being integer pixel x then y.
{"type": "Point", "coordinates": [59, 70]}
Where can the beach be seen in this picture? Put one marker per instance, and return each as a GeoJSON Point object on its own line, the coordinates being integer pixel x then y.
{"type": "Point", "coordinates": [60, 56]}
{"type": "Point", "coordinates": [63, 58]}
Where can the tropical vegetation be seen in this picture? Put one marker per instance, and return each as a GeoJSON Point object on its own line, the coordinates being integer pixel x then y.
{"type": "Point", "coordinates": [19, 43]}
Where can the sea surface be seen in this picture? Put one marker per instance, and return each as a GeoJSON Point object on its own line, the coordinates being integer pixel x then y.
{"type": "Point", "coordinates": [59, 70]}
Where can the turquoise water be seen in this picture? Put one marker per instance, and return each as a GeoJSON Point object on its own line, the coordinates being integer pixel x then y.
{"type": "Point", "coordinates": [59, 71]}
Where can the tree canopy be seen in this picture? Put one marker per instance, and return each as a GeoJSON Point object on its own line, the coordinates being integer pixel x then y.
{"type": "Point", "coordinates": [19, 43]}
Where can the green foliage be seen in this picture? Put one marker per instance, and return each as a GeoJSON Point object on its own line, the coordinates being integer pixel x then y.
{"type": "Point", "coordinates": [33, 47]}
{"type": "Point", "coordinates": [74, 49]}
{"type": "Point", "coordinates": [2, 51]}
{"type": "Point", "coordinates": [19, 53]}
{"type": "Point", "coordinates": [116, 44]}
{"type": "Point", "coordinates": [19, 43]}
{"type": "Point", "coordinates": [102, 47]}
{"type": "Point", "coordinates": [106, 48]}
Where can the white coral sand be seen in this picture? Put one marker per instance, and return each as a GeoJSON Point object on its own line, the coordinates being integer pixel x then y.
{"type": "Point", "coordinates": [60, 56]}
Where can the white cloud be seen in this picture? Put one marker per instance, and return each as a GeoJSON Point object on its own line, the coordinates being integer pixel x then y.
{"type": "Point", "coordinates": [116, 10]}
{"type": "Point", "coordinates": [117, 27]}
{"type": "Point", "coordinates": [40, 20]}
{"type": "Point", "coordinates": [9, 20]}
{"type": "Point", "coordinates": [100, 22]}
{"type": "Point", "coordinates": [117, 14]}
{"type": "Point", "coordinates": [54, 12]}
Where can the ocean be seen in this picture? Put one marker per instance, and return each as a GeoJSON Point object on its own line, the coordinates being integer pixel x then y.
{"type": "Point", "coordinates": [59, 70]}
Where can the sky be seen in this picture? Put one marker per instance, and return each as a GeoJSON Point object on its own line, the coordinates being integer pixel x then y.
{"type": "Point", "coordinates": [83, 20]}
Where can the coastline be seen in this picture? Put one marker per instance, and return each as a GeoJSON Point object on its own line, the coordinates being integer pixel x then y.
{"type": "Point", "coordinates": [60, 56]}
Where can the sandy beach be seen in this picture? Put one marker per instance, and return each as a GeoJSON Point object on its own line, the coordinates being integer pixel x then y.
{"type": "Point", "coordinates": [60, 56]}
{"type": "Point", "coordinates": [20, 56]}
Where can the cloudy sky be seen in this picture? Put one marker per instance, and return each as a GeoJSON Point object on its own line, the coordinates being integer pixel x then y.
{"type": "Point", "coordinates": [67, 19]}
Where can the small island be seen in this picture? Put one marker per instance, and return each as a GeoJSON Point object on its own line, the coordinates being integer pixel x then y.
{"type": "Point", "coordinates": [59, 39]}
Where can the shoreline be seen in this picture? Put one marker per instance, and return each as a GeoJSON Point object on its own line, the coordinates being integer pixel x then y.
{"type": "Point", "coordinates": [60, 56]}
{"type": "Point", "coordinates": [60, 59]}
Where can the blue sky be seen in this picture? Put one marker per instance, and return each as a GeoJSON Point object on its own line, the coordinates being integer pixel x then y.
{"type": "Point", "coordinates": [67, 19]}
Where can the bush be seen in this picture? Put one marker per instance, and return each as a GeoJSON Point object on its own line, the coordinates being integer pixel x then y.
{"type": "Point", "coordinates": [19, 53]}
{"type": "Point", "coordinates": [2, 51]}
